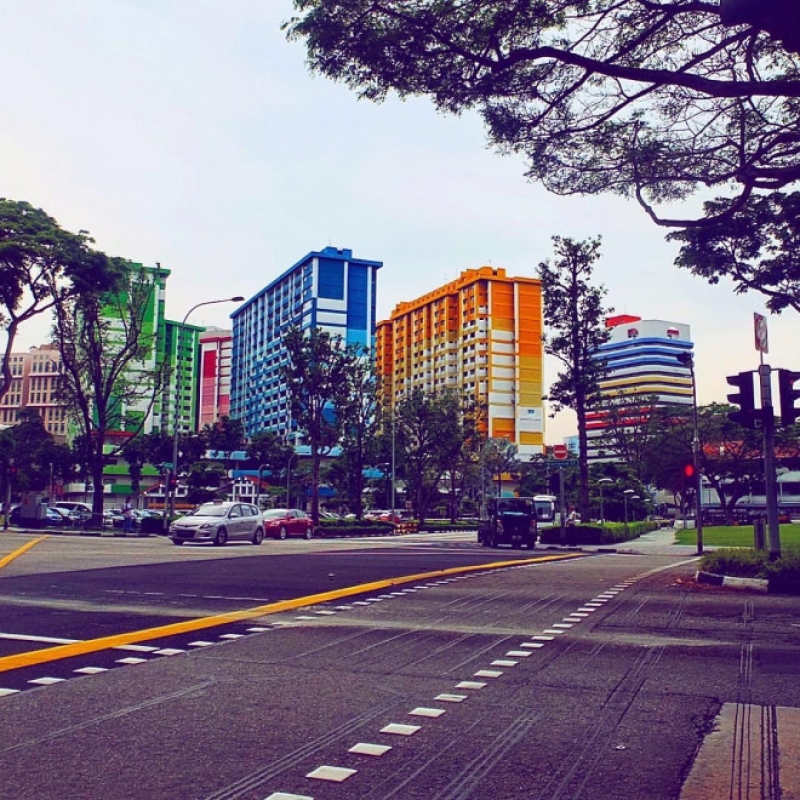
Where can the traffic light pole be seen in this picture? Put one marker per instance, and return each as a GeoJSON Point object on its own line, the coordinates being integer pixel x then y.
{"type": "Point", "coordinates": [770, 482]}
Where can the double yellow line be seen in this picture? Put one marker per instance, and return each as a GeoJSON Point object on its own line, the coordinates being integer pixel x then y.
{"type": "Point", "coordinates": [134, 637]}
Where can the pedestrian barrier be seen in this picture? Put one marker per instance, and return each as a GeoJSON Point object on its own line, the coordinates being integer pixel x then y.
{"type": "Point", "coordinates": [406, 527]}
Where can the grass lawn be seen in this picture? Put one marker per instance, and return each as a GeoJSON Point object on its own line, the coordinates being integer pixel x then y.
{"type": "Point", "coordinates": [736, 535]}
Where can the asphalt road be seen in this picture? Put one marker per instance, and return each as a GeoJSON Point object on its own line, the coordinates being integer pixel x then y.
{"type": "Point", "coordinates": [593, 677]}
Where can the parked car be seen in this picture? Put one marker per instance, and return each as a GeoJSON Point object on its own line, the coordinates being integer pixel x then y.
{"type": "Point", "coordinates": [55, 518]}
{"type": "Point", "coordinates": [75, 511]}
{"type": "Point", "coordinates": [282, 522]}
{"type": "Point", "coordinates": [219, 523]}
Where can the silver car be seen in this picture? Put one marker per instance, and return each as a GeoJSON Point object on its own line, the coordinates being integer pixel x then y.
{"type": "Point", "coordinates": [219, 523]}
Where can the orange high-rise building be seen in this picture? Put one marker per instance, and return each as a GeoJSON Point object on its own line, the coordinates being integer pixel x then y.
{"type": "Point", "coordinates": [480, 334]}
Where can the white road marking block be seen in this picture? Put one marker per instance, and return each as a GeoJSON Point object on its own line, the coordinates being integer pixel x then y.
{"type": "Point", "coordinates": [6, 692]}
{"type": "Point", "coordinates": [169, 651]}
{"type": "Point", "coordinates": [335, 774]}
{"type": "Point", "coordinates": [366, 749]}
{"type": "Point", "coordinates": [325, 613]}
{"type": "Point", "coordinates": [90, 670]}
{"type": "Point", "coordinates": [288, 796]}
{"type": "Point", "coordinates": [578, 616]}
{"type": "Point", "coordinates": [137, 648]}
{"type": "Point", "coordinates": [257, 629]}
{"type": "Point", "coordinates": [201, 644]}
{"type": "Point", "coordinates": [535, 645]}
{"type": "Point", "coordinates": [433, 713]}
{"type": "Point", "coordinates": [518, 654]}
{"type": "Point", "coordinates": [450, 698]}
{"type": "Point", "coordinates": [399, 729]}
{"type": "Point", "coordinates": [542, 638]}
{"type": "Point", "coordinates": [488, 673]}
{"type": "Point", "coordinates": [503, 662]}
{"type": "Point", "coordinates": [46, 681]}
{"type": "Point", "coordinates": [131, 660]}
{"type": "Point", "coordinates": [562, 625]}
{"type": "Point", "coordinates": [469, 685]}
{"type": "Point", "coordinates": [587, 609]}
{"type": "Point", "coordinates": [231, 636]}
{"type": "Point", "coordinates": [553, 631]}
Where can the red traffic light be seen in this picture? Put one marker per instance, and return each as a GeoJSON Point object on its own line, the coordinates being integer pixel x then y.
{"type": "Point", "coordinates": [688, 471]}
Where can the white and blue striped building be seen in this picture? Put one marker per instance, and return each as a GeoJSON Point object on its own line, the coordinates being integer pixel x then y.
{"type": "Point", "coordinates": [328, 289]}
{"type": "Point", "coordinates": [642, 362]}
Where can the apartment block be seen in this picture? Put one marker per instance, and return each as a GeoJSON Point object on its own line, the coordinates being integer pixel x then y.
{"type": "Point", "coordinates": [214, 368]}
{"type": "Point", "coordinates": [480, 334]}
{"type": "Point", "coordinates": [642, 363]}
{"type": "Point", "coordinates": [36, 377]}
{"type": "Point", "coordinates": [327, 289]}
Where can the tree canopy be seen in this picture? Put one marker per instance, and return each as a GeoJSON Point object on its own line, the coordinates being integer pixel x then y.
{"type": "Point", "coordinates": [648, 99]}
{"type": "Point", "coordinates": [41, 265]}
{"type": "Point", "coordinates": [575, 316]}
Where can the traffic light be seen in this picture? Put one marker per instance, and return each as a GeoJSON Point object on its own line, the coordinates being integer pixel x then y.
{"type": "Point", "coordinates": [689, 474]}
{"type": "Point", "coordinates": [788, 394]}
{"type": "Point", "coordinates": [172, 482]}
{"type": "Point", "coordinates": [745, 399]}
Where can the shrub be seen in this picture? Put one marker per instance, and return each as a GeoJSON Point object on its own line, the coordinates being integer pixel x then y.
{"type": "Point", "coordinates": [783, 573]}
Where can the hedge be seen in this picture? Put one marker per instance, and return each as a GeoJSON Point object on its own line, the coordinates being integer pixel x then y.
{"type": "Point", "coordinates": [353, 527]}
{"type": "Point", "coordinates": [610, 533]}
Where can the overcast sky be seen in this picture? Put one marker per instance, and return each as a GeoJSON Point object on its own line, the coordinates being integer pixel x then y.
{"type": "Point", "coordinates": [191, 133]}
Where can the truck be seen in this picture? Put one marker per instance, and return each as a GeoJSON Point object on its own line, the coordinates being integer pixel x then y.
{"type": "Point", "coordinates": [508, 520]}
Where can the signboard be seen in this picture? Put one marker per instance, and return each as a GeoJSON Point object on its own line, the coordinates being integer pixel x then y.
{"type": "Point", "coordinates": [564, 464]}
{"type": "Point", "coordinates": [760, 330]}
{"type": "Point", "coordinates": [560, 452]}
{"type": "Point", "coordinates": [530, 419]}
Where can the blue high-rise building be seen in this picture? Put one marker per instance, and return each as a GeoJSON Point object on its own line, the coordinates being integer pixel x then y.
{"type": "Point", "coordinates": [328, 289]}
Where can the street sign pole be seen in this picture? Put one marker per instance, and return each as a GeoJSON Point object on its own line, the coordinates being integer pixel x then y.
{"type": "Point", "coordinates": [770, 482]}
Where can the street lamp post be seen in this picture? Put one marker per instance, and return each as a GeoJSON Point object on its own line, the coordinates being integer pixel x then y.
{"type": "Point", "coordinates": [688, 361]}
{"type": "Point", "coordinates": [170, 506]}
{"type": "Point", "coordinates": [600, 482]}
{"type": "Point", "coordinates": [625, 495]}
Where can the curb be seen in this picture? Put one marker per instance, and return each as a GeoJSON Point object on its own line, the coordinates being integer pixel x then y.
{"type": "Point", "coordinates": [729, 582]}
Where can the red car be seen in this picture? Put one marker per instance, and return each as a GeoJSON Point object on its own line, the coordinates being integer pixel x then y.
{"type": "Point", "coordinates": [282, 522]}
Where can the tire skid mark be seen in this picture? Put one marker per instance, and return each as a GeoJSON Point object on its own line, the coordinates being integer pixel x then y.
{"type": "Point", "coordinates": [576, 770]}
{"type": "Point", "coordinates": [122, 712]}
{"type": "Point", "coordinates": [463, 786]}
{"type": "Point", "coordinates": [254, 781]}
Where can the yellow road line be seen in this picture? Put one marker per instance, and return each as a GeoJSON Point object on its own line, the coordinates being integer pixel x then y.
{"type": "Point", "coordinates": [133, 637]}
{"type": "Point", "coordinates": [17, 553]}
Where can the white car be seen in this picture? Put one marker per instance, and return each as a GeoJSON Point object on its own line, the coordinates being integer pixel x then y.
{"type": "Point", "coordinates": [219, 523]}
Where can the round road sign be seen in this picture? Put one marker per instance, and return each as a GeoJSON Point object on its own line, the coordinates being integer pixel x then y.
{"type": "Point", "coordinates": [560, 451]}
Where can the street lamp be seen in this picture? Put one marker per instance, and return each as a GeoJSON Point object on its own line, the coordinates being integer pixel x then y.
{"type": "Point", "coordinates": [600, 482]}
{"type": "Point", "coordinates": [179, 378]}
{"type": "Point", "coordinates": [687, 360]}
{"type": "Point", "coordinates": [625, 495]}
{"type": "Point", "coordinates": [633, 510]}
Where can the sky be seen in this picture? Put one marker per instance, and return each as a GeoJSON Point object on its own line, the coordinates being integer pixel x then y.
{"type": "Point", "coordinates": [192, 134]}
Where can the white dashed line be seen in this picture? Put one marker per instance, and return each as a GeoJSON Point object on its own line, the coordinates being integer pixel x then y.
{"type": "Point", "coordinates": [518, 654]}
{"type": "Point", "coordinates": [18, 637]}
{"type": "Point", "coordinates": [502, 662]}
{"type": "Point", "coordinates": [46, 681]}
{"type": "Point", "coordinates": [433, 713]}
{"type": "Point", "coordinates": [542, 638]}
{"type": "Point", "coordinates": [137, 648]}
{"type": "Point", "coordinates": [131, 660]}
{"type": "Point", "coordinates": [335, 774]}
{"type": "Point", "coordinates": [469, 685]}
{"type": "Point", "coordinates": [488, 673]}
{"type": "Point", "coordinates": [232, 636]}
{"type": "Point", "coordinates": [288, 796]}
{"type": "Point", "coordinates": [201, 644]}
{"type": "Point", "coordinates": [90, 670]}
{"type": "Point", "coordinates": [451, 698]}
{"type": "Point", "coordinates": [169, 651]}
{"type": "Point", "coordinates": [6, 692]}
{"type": "Point", "coordinates": [535, 645]}
{"type": "Point", "coordinates": [366, 749]}
{"type": "Point", "coordinates": [562, 625]}
{"type": "Point", "coordinates": [398, 729]}
{"type": "Point", "coordinates": [553, 632]}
